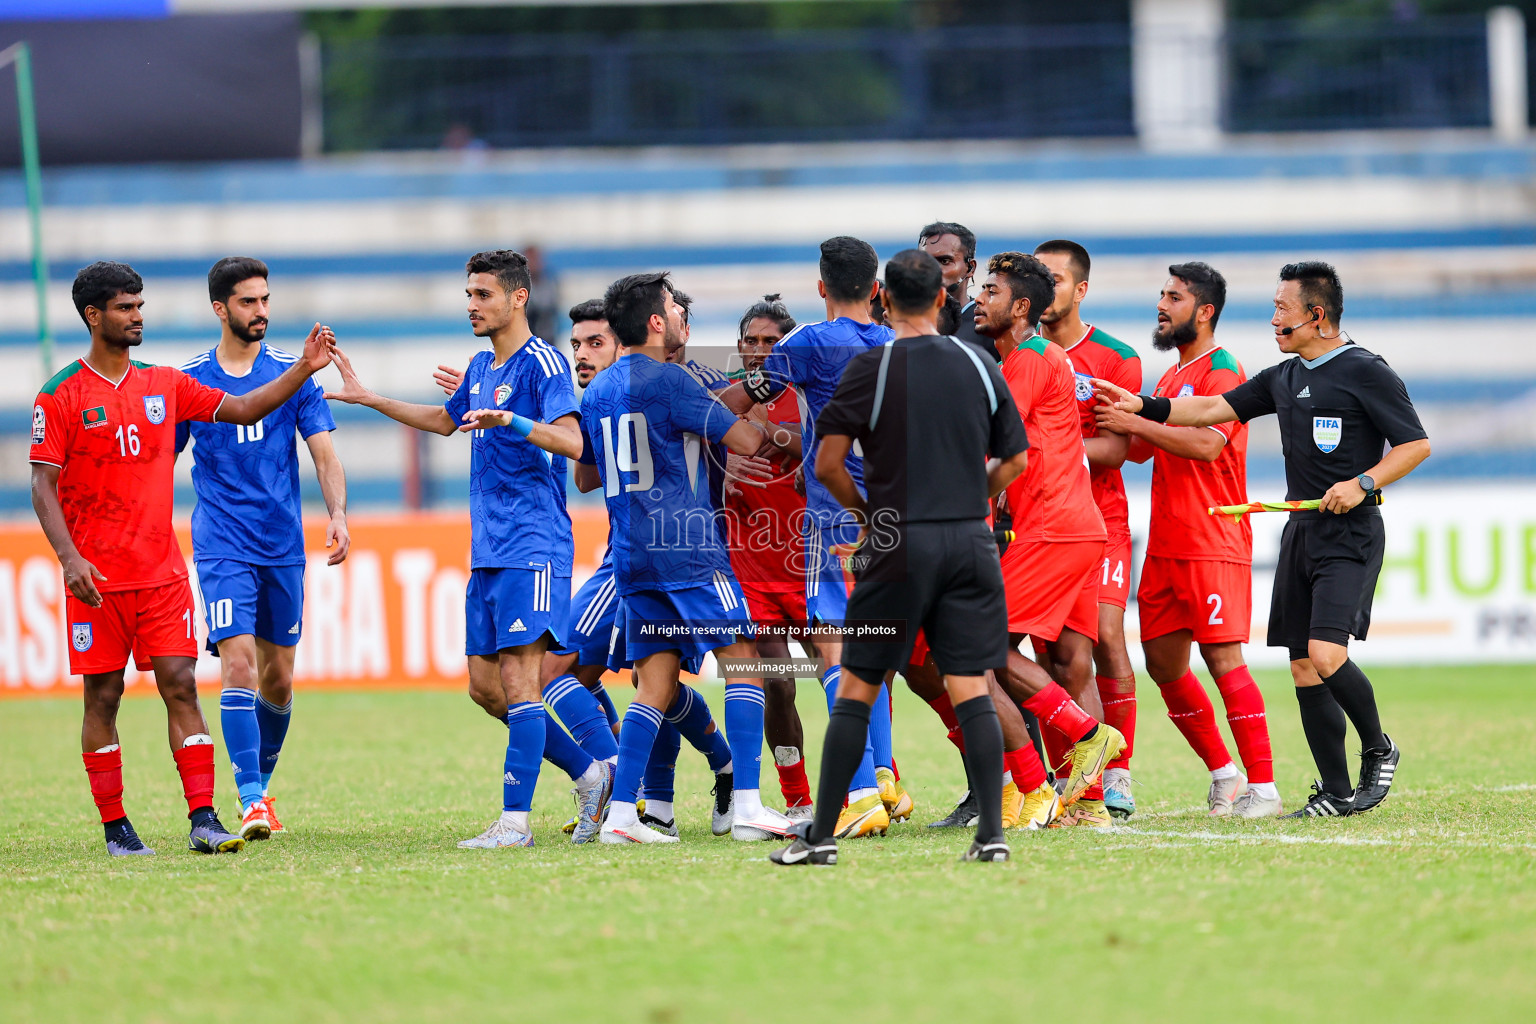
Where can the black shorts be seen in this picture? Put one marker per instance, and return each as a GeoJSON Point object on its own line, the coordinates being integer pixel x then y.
{"type": "Point", "coordinates": [944, 578]}
{"type": "Point", "coordinates": [1325, 579]}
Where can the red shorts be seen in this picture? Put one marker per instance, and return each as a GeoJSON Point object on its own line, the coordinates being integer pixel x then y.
{"type": "Point", "coordinates": [1115, 575]}
{"type": "Point", "coordinates": [151, 623]}
{"type": "Point", "coordinates": [1213, 600]}
{"type": "Point", "coordinates": [1053, 586]}
{"type": "Point", "coordinates": [776, 604]}
{"type": "Point", "coordinates": [920, 649]}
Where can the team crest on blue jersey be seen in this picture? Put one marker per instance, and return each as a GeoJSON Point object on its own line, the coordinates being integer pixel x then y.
{"type": "Point", "coordinates": [1327, 432]}
{"type": "Point", "coordinates": [154, 408]}
{"type": "Point", "coordinates": [1186, 390]}
{"type": "Point", "coordinates": [1084, 387]}
{"type": "Point", "coordinates": [503, 392]}
{"type": "Point", "coordinates": [80, 636]}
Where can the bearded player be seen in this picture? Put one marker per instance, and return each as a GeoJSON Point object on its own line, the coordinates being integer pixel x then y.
{"type": "Point", "coordinates": [103, 454]}
{"type": "Point", "coordinates": [1051, 571]}
{"type": "Point", "coordinates": [1196, 582]}
{"type": "Point", "coordinates": [1096, 354]}
{"type": "Point", "coordinates": [764, 513]}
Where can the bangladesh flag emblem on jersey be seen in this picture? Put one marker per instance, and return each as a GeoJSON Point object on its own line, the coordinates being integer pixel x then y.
{"type": "Point", "coordinates": [94, 417]}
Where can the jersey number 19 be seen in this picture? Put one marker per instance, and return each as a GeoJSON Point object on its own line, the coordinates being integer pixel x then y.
{"type": "Point", "coordinates": [631, 456]}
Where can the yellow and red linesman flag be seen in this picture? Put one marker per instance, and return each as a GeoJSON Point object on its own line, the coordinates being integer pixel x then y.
{"type": "Point", "coordinates": [1306, 505]}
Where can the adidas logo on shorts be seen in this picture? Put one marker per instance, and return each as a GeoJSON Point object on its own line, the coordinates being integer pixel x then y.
{"type": "Point", "coordinates": [294, 630]}
{"type": "Point", "coordinates": [517, 627]}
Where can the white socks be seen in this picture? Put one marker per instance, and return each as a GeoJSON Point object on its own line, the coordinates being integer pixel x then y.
{"type": "Point", "coordinates": [1226, 771]}
{"type": "Point", "coordinates": [661, 809]}
{"type": "Point", "coordinates": [621, 813]}
{"type": "Point", "coordinates": [749, 803]}
{"type": "Point", "coordinates": [1266, 790]}
{"type": "Point", "coordinates": [593, 773]}
{"type": "Point", "coordinates": [517, 819]}
{"type": "Point", "coordinates": [860, 794]}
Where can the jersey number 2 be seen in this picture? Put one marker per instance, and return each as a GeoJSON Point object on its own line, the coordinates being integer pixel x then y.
{"type": "Point", "coordinates": [633, 454]}
{"type": "Point", "coordinates": [1215, 619]}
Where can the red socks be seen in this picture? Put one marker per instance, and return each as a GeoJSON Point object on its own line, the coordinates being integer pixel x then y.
{"type": "Point", "coordinates": [1056, 708]}
{"type": "Point", "coordinates": [1191, 712]}
{"type": "Point", "coordinates": [793, 783]}
{"type": "Point", "coordinates": [1250, 727]}
{"type": "Point", "coordinates": [945, 709]}
{"type": "Point", "coordinates": [1024, 764]}
{"type": "Point", "coordinates": [105, 772]}
{"type": "Point", "coordinates": [195, 764]}
{"type": "Point", "coordinates": [1119, 699]}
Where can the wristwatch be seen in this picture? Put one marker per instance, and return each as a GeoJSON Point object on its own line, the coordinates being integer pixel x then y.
{"type": "Point", "coordinates": [1367, 483]}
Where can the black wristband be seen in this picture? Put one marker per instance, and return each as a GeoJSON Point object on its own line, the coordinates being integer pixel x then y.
{"type": "Point", "coordinates": [1155, 409]}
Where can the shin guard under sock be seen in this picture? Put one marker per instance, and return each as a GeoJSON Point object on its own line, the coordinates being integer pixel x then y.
{"type": "Point", "coordinates": [1247, 719]}
{"type": "Point", "coordinates": [1353, 692]}
{"type": "Point", "coordinates": [525, 749]}
{"type": "Point", "coordinates": [984, 759]}
{"type": "Point", "coordinates": [1119, 699]}
{"type": "Point", "coordinates": [104, 769]}
{"type": "Point", "coordinates": [1322, 720]}
{"type": "Point", "coordinates": [841, 752]}
{"type": "Point", "coordinates": [1190, 711]}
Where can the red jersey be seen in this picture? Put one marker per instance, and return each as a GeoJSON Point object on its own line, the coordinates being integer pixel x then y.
{"type": "Point", "coordinates": [1099, 355]}
{"type": "Point", "coordinates": [764, 525]}
{"type": "Point", "coordinates": [1053, 500]}
{"type": "Point", "coordinates": [115, 445]}
{"type": "Point", "coordinates": [1182, 489]}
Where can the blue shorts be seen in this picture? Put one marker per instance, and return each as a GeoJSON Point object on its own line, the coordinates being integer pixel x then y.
{"type": "Point", "coordinates": [826, 584]}
{"type": "Point", "coordinates": [511, 607]}
{"type": "Point", "coordinates": [266, 601]}
{"type": "Point", "coordinates": [693, 621]}
{"type": "Point", "coordinates": [592, 610]}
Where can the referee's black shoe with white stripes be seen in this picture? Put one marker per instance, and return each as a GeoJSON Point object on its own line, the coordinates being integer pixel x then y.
{"type": "Point", "coordinates": [997, 851]}
{"type": "Point", "coordinates": [1323, 804]}
{"type": "Point", "coordinates": [1377, 769]}
{"type": "Point", "coordinates": [803, 851]}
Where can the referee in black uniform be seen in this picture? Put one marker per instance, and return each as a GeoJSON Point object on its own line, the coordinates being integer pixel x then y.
{"type": "Point", "coordinates": [929, 412]}
{"type": "Point", "coordinates": [1339, 406]}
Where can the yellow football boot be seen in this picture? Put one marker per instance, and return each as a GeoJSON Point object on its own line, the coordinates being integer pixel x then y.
{"type": "Point", "coordinates": [1089, 758]}
{"type": "Point", "coordinates": [1085, 814]}
{"type": "Point", "coordinates": [898, 803]}
{"type": "Point", "coordinates": [865, 817]}
{"type": "Point", "coordinates": [1013, 805]}
{"type": "Point", "coordinates": [1041, 807]}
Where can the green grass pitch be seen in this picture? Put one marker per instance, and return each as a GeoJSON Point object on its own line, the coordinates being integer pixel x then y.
{"type": "Point", "coordinates": [1423, 910]}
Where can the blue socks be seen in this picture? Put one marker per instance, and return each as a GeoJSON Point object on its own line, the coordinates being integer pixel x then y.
{"type": "Point", "coordinates": [575, 706]}
{"type": "Point", "coordinates": [606, 703]}
{"type": "Point", "coordinates": [273, 723]}
{"type": "Point", "coordinates": [691, 716]}
{"type": "Point", "coordinates": [563, 752]}
{"type": "Point", "coordinates": [880, 729]}
{"type": "Point", "coordinates": [636, 738]}
{"type": "Point", "coordinates": [525, 749]}
{"type": "Point", "coordinates": [744, 730]}
{"type": "Point", "coordinates": [864, 778]}
{"type": "Point", "coordinates": [661, 769]}
{"type": "Point", "coordinates": [242, 738]}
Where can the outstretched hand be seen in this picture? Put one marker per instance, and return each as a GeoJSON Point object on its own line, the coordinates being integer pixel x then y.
{"type": "Point", "coordinates": [318, 348]}
{"type": "Point", "coordinates": [352, 390]}
{"type": "Point", "coordinates": [483, 419]}
{"type": "Point", "coordinates": [1116, 397]}
{"type": "Point", "coordinates": [448, 379]}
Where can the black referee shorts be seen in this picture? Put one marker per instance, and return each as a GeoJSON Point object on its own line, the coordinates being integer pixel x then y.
{"type": "Point", "coordinates": [943, 577]}
{"type": "Point", "coordinates": [1325, 579]}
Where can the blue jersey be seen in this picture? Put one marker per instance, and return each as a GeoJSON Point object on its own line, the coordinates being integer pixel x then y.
{"type": "Point", "coordinates": [715, 381]}
{"type": "Point", "coordinates": [812, 357]}
{"type": "Point", "coordinates": [517, 513]}
{"type": "Point", "coordinates": [247, 477]}
{"type": "Point", "coordinates": [645, 425]}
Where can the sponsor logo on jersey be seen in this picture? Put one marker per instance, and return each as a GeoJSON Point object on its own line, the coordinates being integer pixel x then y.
{"type": "Point", "coordinates": [80, 635]}
{"type": "Point", "coordinates": [39, 424]}
{"type": "Point", "coordinates": [154, 408]}
{"type": "Point", "coordinates": [474, 388]}
{"type": "Point", "coordinates": [1084, 387]}
{"type": "Point", "coordinates": [1327, 432]}
{"type": "Point", "coordinates": [1186, 391]}
{"type": "Point", "coordinates": [1305, 392]}
{"type": "Point", "coordinates": [503, 392]}
{"type": "Point", "coordinates": [94, 417]}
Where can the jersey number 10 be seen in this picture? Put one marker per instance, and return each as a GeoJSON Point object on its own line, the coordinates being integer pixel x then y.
{"type": "Point", "coordinates": [631, 456]}
{"type": "Point", "coordinates": [255, 432]}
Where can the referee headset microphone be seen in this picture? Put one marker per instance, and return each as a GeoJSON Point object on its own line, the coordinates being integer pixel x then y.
{"type": "Point", "coordinates": [1288, 331]}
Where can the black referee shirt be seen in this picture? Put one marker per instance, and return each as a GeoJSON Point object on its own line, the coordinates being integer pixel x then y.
{"type": "Point", "coordinates": [927, 422]}
{"type": "Point", "coordinates": [1337, 413]}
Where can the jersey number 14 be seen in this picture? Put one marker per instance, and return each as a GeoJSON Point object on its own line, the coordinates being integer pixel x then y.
{"type": "Point", "coordinates": [632, 454]}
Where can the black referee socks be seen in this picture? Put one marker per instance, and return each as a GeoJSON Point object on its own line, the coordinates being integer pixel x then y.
{"type": "Point", "coordinates": [841, 752]}
{"type": "Point", "coordinates": [1323, 722]}
{"type": "Point", "coordinates": [984, 763]}
{"type": "Point", "coordinates": [1353, 691]}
